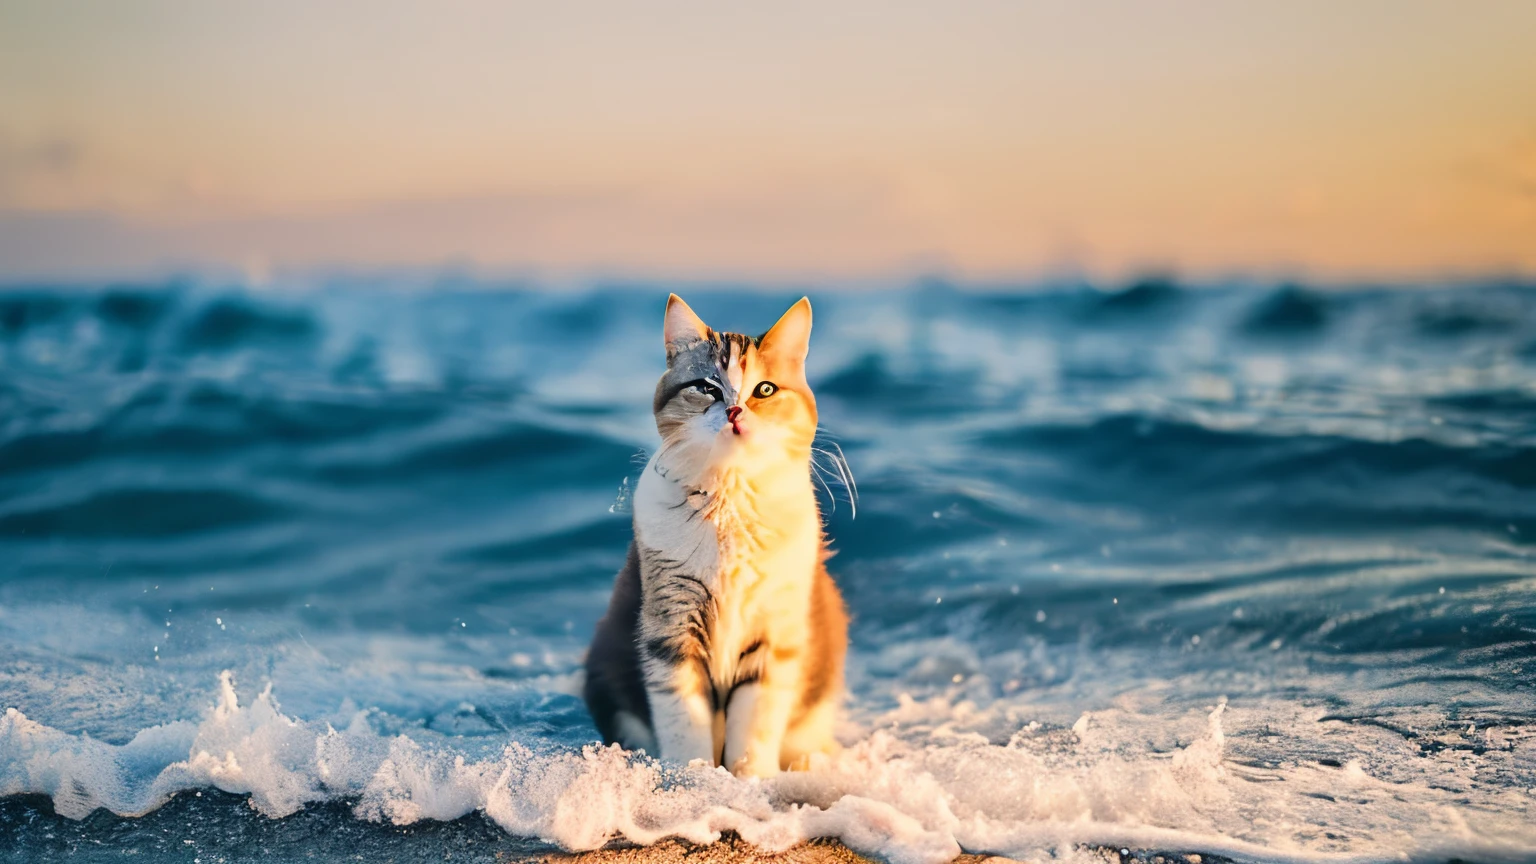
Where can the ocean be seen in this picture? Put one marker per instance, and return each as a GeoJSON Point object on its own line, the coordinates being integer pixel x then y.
{"type": "Point", "coordinates": [307, 573]}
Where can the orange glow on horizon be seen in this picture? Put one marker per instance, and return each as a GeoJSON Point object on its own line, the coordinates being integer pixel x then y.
{"type": "Point", "coordinates": [1391, 139]}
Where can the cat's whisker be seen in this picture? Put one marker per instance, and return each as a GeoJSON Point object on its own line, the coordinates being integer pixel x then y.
{"type": "Point", "coordinates": [853, 487]}
{"type": "Point", "coordinates": [844, 474]}
{"type": "Point", "coordinates": [838, 465]}
{"type": "Point", "coordinates": [818, 472]}
{"type": "Point", "coordinates": [815, 463]}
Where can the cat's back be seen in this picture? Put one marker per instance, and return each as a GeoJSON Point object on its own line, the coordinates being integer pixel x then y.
{"type": "Point", "coordinates": [828, 639]}
{"type": "Point", "coordinates": [614, 688]}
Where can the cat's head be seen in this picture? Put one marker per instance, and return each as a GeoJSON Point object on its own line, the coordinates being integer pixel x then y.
{"type": "Point", "coordinates": [734, 401]}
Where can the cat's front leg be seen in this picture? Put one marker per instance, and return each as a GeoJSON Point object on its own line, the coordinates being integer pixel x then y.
{"type": "Point", "coordinates": [757, 717]}
{"type": "Point", "coordinates": [680, 711]}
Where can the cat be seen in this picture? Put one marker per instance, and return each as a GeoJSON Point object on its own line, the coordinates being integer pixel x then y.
{"type": "Point", "coordinates": [725, 636]}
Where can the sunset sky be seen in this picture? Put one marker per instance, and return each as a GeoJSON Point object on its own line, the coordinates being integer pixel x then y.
{"type": "Point", "coordinates": [1339, 140]}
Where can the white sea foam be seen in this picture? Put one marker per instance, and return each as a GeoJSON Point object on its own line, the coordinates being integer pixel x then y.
{"type": "Point", "coordinates": [934, 777]}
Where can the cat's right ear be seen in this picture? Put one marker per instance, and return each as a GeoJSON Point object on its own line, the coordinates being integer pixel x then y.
{"type": "Point", "coordinates": [682, 328]}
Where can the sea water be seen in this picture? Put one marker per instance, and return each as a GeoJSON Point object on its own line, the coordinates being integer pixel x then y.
{"type": "Point", "coordinates": [308, 573]}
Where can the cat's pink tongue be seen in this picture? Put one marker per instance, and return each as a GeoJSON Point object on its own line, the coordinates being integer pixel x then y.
{"type": "Point", "coordinates": [731, 414]}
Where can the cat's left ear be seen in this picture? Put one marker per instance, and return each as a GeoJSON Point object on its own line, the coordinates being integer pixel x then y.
{"type": "Point", "coordinates": [790, 339]}
{"type": "Point", "coordinates": [681, 327]}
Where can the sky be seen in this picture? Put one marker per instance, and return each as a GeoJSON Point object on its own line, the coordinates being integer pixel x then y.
{"type": "Point", "coordinates": [1365, 139]}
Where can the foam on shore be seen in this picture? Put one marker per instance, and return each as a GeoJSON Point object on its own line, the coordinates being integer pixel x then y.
{"type": "Point", "coordinates": [931, 781]}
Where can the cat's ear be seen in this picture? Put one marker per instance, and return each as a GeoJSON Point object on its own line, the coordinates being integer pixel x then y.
{"type": "Point", "coordinates": [790, 339]}
{"type": "Point", "coordinates": [681, 327]}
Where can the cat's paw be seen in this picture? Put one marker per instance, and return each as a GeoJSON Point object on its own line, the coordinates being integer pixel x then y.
{"type": "Point", "coordinates": [748, 766]}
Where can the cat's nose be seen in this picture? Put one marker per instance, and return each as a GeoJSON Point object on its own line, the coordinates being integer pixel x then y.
{"type": "Point", "coordinates": [732, 413]}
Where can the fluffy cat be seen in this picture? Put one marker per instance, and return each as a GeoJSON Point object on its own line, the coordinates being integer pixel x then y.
{"type": "Point", "coordinates": [724, 639]}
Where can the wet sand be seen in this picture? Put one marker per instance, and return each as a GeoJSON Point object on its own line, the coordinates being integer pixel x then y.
{"type": "Point", "coordinates": [731, 850]}
{"type": "Point", "coordinates": [735, 851]}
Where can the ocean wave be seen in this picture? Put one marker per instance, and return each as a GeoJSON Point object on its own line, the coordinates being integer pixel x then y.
{"type": "Point", "coordinates": [1312, 480]}
{"type": "Point", "coordinates": [227, 323]}
{"type": "Point", "coordinates": [21, 311]}
{"type": "Point", "coordinates": [536, 451]}
{"type": "Point", "coordinates": [610, 534]}
{"type": "Point", "coordinates": [143, 512]}
{"type": "Point", "coordinates": [1291, 310]}
{"type": "Point", "coordinates": [1140, 298]}
{"type": "Point", "coordinates": [1459, 320]}
{"type": "Point", "coordinates": [927, 783]}
{"type": "Point", "coordinates": [397, 507]}
{"type": "Point", "coordinates": [208, 421]}
{"type": "Point", "coordinates": [135, 309]}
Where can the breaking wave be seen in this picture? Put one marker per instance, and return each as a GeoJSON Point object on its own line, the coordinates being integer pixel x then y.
{"type": "Point", "coordinates": [1230, 571]}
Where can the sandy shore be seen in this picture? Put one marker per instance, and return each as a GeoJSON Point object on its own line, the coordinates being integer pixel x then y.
{"type": "Point", "coordinates": [733, 851]}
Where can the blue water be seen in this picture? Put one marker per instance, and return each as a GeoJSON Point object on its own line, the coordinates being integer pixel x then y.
{"type": "Point", "coordinates": [308, 573]}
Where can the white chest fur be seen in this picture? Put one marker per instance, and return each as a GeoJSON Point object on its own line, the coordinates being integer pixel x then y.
{"type": "Point", "coordinates": [753, 544]}
{"type": "Point", "coordinates": [668, 520]}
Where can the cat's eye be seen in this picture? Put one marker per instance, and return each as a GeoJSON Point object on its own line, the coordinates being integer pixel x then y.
{"type": "Point", "coordinates": [708, 387]}
{"type": "Point", "coordinates": [765, 389]}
